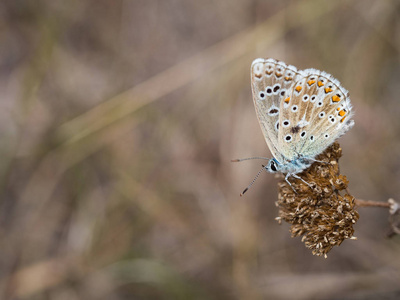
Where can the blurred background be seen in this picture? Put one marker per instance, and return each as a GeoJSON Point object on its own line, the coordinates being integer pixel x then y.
{"type": "Point", "coordinates": [118, 122]}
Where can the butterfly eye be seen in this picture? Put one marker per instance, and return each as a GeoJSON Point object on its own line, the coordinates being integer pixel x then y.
{"type": "Point", "coordinates": [319, 104]}
{"type": "Point", "coordinates": [283, 93]}
{"type": "Point", "coordinates": [305, 98]}
{"type": "Point", "coordinates": [269, 91]}
{"type": "Point", "coordinates": [332, 119]}
{"type": "Point", "coordinates": [322, 114]}
{"type": "Point", "coordinates": [313, 98]}
{"type": "Point", "coordinates": [312, 138]}
{"type": "Point", "coordinates": [262, 95]}
{"type": "Point", "coordinates": [303, 134]}
{"type": "Point", "coordinates": [272, 166]}
{"type": "Point", "coordinates": [294, 108]}
{"type": "Point", "coordinates": [277, 125]}
{"type": "Point", "coordinates": [286, 123]}
{"type": "Point", "coordinates": [326, 136]}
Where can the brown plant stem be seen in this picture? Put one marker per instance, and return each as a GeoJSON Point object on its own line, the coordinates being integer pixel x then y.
{"type": "Point", "coordinates": [366, 203]}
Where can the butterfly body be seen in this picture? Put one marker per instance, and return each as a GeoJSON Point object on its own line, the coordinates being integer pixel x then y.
{"type": "Point", "coordinates": [301, 113]}
{"type": "Point", "coordinates": [291, 167]}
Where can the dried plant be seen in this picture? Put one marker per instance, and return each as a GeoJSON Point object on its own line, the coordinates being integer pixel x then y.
{"type": "Point", "coordinates": [324, 212]}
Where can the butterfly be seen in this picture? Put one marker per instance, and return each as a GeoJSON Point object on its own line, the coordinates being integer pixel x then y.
{"type": "Point", "coordinates": [300, 112]}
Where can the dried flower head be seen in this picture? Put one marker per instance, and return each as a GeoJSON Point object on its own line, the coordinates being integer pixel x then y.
{"type": "Point", "coordinates": [319, 213]}
{"type": "Point", "coordinates": [394, 218]}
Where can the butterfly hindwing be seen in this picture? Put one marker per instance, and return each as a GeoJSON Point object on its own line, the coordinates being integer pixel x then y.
{"type": "Point", "coordinates": [331, 118]}
{"type": "Point", "coordinates": [317, 112]}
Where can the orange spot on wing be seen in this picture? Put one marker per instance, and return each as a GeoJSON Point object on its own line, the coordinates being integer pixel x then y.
{"type": "Point", "coordinates": [338, 108]}
{"type": "Point", "coordinates": [335, 98]}
{"type": "Point", "coordinates": [310, 82]}
{"type": "Point", "coordinates": [287, 100]}
{"type": "Point", "coordinates": [268, 72]}
{"type": "Point", "coordinates": [298, 88]}
{"type": "Point", "coordinates": [278, 74]}
{"type": "Point", "coordinates": [328, 90]}
{"type": "Point", "coordinates": [320, 83]}
{"type": "Point", "coordinates": [258, 75]}
{"type": "Point", "coordinates": [287, 78]}
{"type": "Point", "coordinates": [341, 121]}
{"type": "Point", "coordinates": [342, 113]}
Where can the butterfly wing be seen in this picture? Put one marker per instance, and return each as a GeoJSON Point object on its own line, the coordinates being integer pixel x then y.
{"type": "Point", "coordinates": [317, 113]}
{"type": "Point", "coordinates": [270, 81]}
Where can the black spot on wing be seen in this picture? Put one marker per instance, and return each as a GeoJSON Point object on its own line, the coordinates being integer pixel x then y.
{"type": "Point", "coordinates": [295, 129]}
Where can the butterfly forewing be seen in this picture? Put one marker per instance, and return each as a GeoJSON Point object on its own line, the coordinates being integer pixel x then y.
{"type": "Point", "coordinates": [271, 81]}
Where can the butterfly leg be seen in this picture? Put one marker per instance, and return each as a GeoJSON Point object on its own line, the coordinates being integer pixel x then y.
{"type": "Point", "coordinates": [320, 161]}
{"type": "Point", "coordinates": [298, 177]}
{"type": "Point", "coordinates": [287, 180]}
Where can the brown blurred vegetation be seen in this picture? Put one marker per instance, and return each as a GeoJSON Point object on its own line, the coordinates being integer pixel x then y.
{"type": "Point", "coordinates": [118, 122]}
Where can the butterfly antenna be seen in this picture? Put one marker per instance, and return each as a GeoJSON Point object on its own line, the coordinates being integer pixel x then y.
{"type": "Point", "coordinates": [248, 158]}
{"type": "Point", "coordinates": [254, 180]}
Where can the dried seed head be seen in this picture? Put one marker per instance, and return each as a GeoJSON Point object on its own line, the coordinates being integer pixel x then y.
{"type": "Point", "coordinates": [320, 214]}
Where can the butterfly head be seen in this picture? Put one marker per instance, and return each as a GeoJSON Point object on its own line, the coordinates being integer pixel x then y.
{"type": "Point", "coordinates": [273, 166]}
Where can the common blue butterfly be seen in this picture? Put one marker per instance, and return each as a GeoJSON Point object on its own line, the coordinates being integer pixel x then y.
{"type": "Point", "coordinates": [301, 113]}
